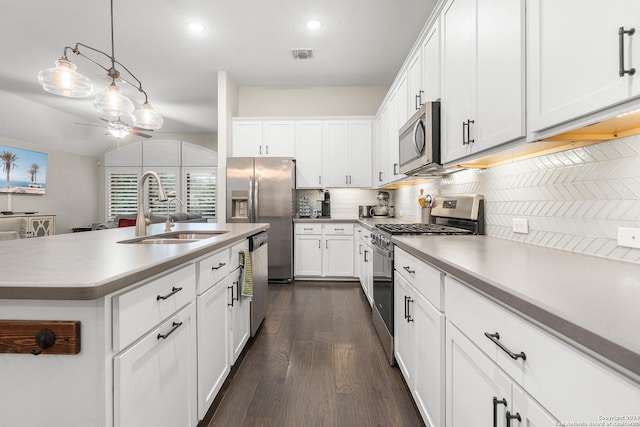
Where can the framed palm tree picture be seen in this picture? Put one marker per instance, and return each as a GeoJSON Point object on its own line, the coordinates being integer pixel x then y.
{"type": "Point", "coordinates": [22, 171]}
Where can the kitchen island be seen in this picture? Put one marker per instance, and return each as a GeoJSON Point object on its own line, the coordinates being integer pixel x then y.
{"type": "Point", "coordinates": [136, 306]}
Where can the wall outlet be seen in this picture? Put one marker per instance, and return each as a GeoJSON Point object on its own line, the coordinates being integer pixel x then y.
{"type": "Point", "coordinates": [521, 225]}
{"type": "Point", "coordinates": [629, 237]}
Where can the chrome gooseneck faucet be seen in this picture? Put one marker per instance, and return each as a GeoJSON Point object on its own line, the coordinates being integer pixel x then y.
{"type": "Point", "coordinates": [142, 221]}
{"type": "Point", "coordinates": [169, 221]}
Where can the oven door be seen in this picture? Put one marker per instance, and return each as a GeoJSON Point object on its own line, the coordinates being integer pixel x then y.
{"type": "Point", "coordinates": [383, 284]}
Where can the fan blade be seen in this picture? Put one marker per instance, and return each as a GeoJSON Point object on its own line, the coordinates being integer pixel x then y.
{"type": "Point", "coordinates": [104, 120]}
{"type": "Point", "coordinates": [142, 129]}
{"type": "Point", "coordinates": [88, 124]}
{"type": "Point", "coordinates": [135, 132]}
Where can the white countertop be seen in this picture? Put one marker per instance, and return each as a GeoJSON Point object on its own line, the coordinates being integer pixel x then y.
{"type": "Point", "coordinates": [592, 302]}
{"type": "Point", "coordinates": [92, 264]}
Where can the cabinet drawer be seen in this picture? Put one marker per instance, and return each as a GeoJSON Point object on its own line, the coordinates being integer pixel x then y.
{"type": "Point", "coordinates": [427, 280]}
{"type": "Point", "coordinates": [346, 229]}
{"type": "Point", "coordinates": [308, 228]}
{"type": "Point", "coordinates": [212, 269]}
{"type": "Point", "coordinates": [569, 383]}
{"type": "Point", "coordinates": [139, 310]}
{"type": "Point", "coordinates": [235, 250]}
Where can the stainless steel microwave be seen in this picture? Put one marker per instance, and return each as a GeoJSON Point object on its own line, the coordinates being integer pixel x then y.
{"type": "Point", "coordinates": [420, 141]}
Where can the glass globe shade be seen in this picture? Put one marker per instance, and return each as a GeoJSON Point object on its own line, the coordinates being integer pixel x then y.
{"type": "Point", "coordinates": [147, 118]}
{"type": "Point", "coordinates": [64, 80]}
{"type": "Point", "coordinates": [113, 103]}
{"type": "Point", "coordinates": [119, 133]}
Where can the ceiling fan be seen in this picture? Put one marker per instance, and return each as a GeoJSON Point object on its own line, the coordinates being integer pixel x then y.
{"type": "Point", "coordinates": [120, 129]}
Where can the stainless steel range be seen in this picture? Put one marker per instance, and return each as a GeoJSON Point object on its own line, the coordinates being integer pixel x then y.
{"type": "Point", "coordinates": [450, 215]}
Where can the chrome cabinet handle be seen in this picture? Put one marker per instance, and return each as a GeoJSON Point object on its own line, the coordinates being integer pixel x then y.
{"type": "Point", "coordinates": [621, 33]}
{"type": "Point", "coordinates": [497, 402]}
{"type": "Point", "coordinates": [260, 149]}
{"type": "Point", "coordinates": [495, 339]}
{"type": "Point", "coordinates": [174, 291]}
{"type": "Point", "coordinates": [230, 287]}
{"type": "Point", "coordinates": [380, 176]}
{"type": "Point", "coordinates": [175, 325]}
{"type": "Point", "coordinates": [365, 256]}
{"type": "Point", "coordinates": [220, 265]}
{"type": "Point", "coordinates": [319, 179]}
{"type": "Point", "coordinates": [267, 150]}
{"type": "Point", "coordinates": [466, 136]}
{"type": "Point", "coordinates": [464, 133]}
{"type": "Point", "coordinates": [406, 307]}
{"type": "Point", "coordinates": [409, 301]}
{"type": "Point", "coordinates": [395, 169]}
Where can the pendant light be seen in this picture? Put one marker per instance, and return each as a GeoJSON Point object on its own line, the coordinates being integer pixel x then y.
{"type": "Point", "coordinates": [64, 80]}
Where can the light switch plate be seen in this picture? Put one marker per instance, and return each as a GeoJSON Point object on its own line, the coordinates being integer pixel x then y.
{"type": "Point", "coordinates": [521, 225]}
{"type": "Point", "coordinates": [629, 237]}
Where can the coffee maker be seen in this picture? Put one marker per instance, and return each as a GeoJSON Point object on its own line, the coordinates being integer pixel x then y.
{"type": "Point", "coordinates": [326, 204]}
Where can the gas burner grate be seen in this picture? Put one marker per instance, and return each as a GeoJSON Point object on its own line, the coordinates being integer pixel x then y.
{"type": "Point", "coordinates": [396, 229]}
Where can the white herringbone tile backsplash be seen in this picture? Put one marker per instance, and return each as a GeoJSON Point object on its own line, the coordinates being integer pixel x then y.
{"type": "Point", "coordinates": [574, 200]}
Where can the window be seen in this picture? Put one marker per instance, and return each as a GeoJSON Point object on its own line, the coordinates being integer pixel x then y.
{"type": "Point", "coordinates": [122, 191]}
{"type": "Point", "coordinates": [200, 190]}
{"type": "Point", "coordinates": [169, 178]}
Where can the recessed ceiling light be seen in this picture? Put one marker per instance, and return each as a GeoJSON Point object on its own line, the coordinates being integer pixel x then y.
{"type": "Point", "coordinates": [314, 24]}
{"type": "Point", "coordinates": [196, 27]}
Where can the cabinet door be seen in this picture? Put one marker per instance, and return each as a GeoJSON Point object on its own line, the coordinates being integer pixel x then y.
{"type": "Point", "coordinates": [573, 63]}
{"type": "Point", "coordinates": [213, 354]}
{"type": "Point", "coordinates": [428, 375]}
{"type": "Point", "coordinates": [155, 379]}
{"type": "Point", "coordinates": [403, 329]}
{"type": "Point", "coordinates": [338, 256]}
{"type": "Point", "coordinates": [240, 317]}
{"type": "Point", "coordinates": [393, 136]}
{"type": "Point", "coordinates": [458, 32]}
{"type": "Point", "coordinates": [499, 116]}
{"type": "Point", "coordinates": [403, 100]}
{"type": "Point", "coordinates": [368, 273]}
{"type": "Point", "coordinates": [308, 255]}
{"type": "Point", "coordinates": [309, 154]}
{"type": "Point", "coordinates": [380, 150]}
{"type": "Point", "coordinates": [247, 138]}
{"type": "Point", "coordinates": [531, 413]}
{"type": "Point", "coordinates": [414, 75]}
{"type": "Point", "coordinates": [278, 138]}
{"type": "Point", "coordinates": [472, 383]}
{"type": "Point", "coordinates": [360, 139]}
{"type": "Point", "coordinates": [431, 64]}
{"type": "Point", "coordinates": [336, 147]}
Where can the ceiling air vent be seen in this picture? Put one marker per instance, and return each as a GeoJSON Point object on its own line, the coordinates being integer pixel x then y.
{"type": "Point", "coordinates": [302, 53]}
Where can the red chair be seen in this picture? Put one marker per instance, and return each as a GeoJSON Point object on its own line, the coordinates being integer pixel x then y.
{"type": "Point", "coordinates": [125, 222]}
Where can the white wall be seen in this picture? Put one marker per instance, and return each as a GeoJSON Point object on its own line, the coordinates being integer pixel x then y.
{"type": "Point", "coordinates": [310, 101]}
{"type": "Point", "coordinates": [72, 184]}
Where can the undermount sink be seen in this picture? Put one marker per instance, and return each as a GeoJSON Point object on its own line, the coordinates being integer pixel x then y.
{"type": "Point", "coordinates": [175, 237]}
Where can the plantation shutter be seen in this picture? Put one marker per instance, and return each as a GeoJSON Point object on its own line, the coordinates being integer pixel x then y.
{"type": "Point", "coordinates": [122, 191]}
{"type": "Point", "coordinates": [200, 190]}
{"type": "Point", "coordinates": [169, 178]}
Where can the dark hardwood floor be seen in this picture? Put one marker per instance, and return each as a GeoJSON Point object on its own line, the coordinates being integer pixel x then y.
{"type": "Point", "coordinates": [316, 361]}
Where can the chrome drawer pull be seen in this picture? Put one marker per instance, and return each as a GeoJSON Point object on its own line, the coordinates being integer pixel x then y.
{"type": "Point", "coordinates": [496, 337]}
{"type": "Point", "coordinates": [174, 290]}
{"type": "Point", "coordinates": [621, 33]}
{"type": "Point", "coordinates": [220, 265]}
{"type": "Point", "coordinates": [409, 270]}
{"type": "Point", "coordinates": [175, 325]}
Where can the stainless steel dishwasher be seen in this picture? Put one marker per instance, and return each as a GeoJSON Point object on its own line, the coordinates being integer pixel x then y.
{"type": "Point", "coordinates": [258, 246]}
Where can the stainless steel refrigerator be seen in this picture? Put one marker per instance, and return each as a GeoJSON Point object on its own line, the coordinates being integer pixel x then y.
{"type": "Point", "coordinates": [262, 189]}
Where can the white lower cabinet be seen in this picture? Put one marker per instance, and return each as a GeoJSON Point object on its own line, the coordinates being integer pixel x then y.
{"type": "Point", "coordinates": [155, 378]}
{"type": "Point", "coordinates": [364, 264]}
{"type": "Point", "coordinates": [213, 344]}
{"type": "Point", "coordinates": [239, 317]}
{"type": "Point", "coordinates": [419, 349]}
{"type": "Point", "coordinates": [550, 376]}
{"type": "Point", "coordinates": [324, 250]}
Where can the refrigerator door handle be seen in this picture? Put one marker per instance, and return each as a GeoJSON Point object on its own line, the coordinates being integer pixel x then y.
{"type": "Point", "coordinates": [256, 201]}
{"type": "Point", "coordinates": [250, 200]}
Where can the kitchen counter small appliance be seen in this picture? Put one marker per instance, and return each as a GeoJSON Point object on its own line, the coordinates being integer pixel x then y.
{"type": "Point", "coordinates": [450, 215]}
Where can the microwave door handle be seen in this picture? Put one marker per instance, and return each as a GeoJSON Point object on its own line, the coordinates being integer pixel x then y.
{"type": "Point", "coordinates": [415, 141]}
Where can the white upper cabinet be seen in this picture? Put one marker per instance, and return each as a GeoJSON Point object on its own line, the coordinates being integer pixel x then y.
{"type": "Point", "coordinates": [574, 58]}
{"type": "Point", "coordinates": [347, 152]}
{"type": "Point", "coordinates": [309, 154]}
{"type": "Point", "coordinates": [393, 135]}
{"type": "Point", "coordinates": [263, 138]}
{"type": "Point", "coordinates": [402, 99]}
{"type": "Point", "coordinates": [380, 175]}
{"type": "Point", "coordinates": [483, 75]}
{"type": "Point", "coordinates": [414, 83]}
{"type": "Point", "coordinates": [431, 64]}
